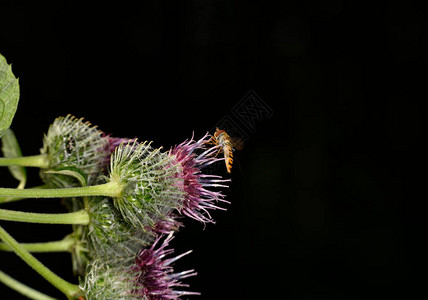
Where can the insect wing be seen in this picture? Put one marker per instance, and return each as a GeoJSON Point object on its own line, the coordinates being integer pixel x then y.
{"type": "Point", "coordinates": [237, 143]}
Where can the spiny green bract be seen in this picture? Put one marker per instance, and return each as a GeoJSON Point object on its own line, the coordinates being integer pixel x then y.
{"type": "Point", "coordinates": [103, 281]}
{"type": "Point", "coordinates": [73, 143]}
{"type": "Point", "coordinates": [151, 187]}
{"type": "Point", "coordinates": [109, 236]}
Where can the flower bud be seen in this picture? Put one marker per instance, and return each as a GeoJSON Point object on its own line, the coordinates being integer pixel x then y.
{"type": "Point", "coordinates": [109, 236]}
{"type": "Point", "coordinates": [73, 143]}
{"type": "Point", "coordinates": [104, 281]}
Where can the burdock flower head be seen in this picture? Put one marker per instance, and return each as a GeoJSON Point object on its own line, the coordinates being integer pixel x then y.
{"type": "Point", "coordinates": [148, 185]}
{"type": "Point", "coordinates": [149, 276]}
{"type": "Point", "coordinates": [71, 143]}
{"type": "Point", "coordinates": [192, 157]}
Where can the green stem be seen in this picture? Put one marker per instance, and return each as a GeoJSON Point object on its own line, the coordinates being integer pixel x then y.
{"type": "Point", "coordinates": [69, 289]}
{"type": "Point", "coordinates": [22, 288]}
{"type": "Point", "coordinates": [39, 161]}
{"type": "Point", "coordinates": [79, 217]}
{"type": "Point", "coordinates": [110, 189]}
{"type": "Point", "coordinates": [63, 245]}
{"type": "Point", "coordinates": [12, 199]}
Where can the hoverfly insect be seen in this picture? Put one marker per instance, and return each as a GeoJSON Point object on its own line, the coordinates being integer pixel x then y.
{"type": "Point", "coordinates": [227, 146]}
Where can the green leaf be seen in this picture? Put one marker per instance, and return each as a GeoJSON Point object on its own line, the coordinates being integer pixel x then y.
{"type": "Point", "coordinates": [10, 148]}
{"type": "Point", "coordinates": [9, 95]}
{"type": "Point", "coordinates": [71, 171]}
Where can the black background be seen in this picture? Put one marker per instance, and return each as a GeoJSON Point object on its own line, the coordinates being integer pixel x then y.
{"type": "Point", "coordinates": [324, 202]}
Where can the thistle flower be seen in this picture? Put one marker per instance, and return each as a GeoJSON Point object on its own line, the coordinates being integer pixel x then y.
{"type": "Point", "coordinates": [198, 196]}
{"type": "Point", "coordinates": [149, 276]}
{"type": "Point", "coordinates": [149, 190]}
{"type": "Point", "coordinates": [73, 143]}
{"type": "Point", "coordinates": [155, 275]}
